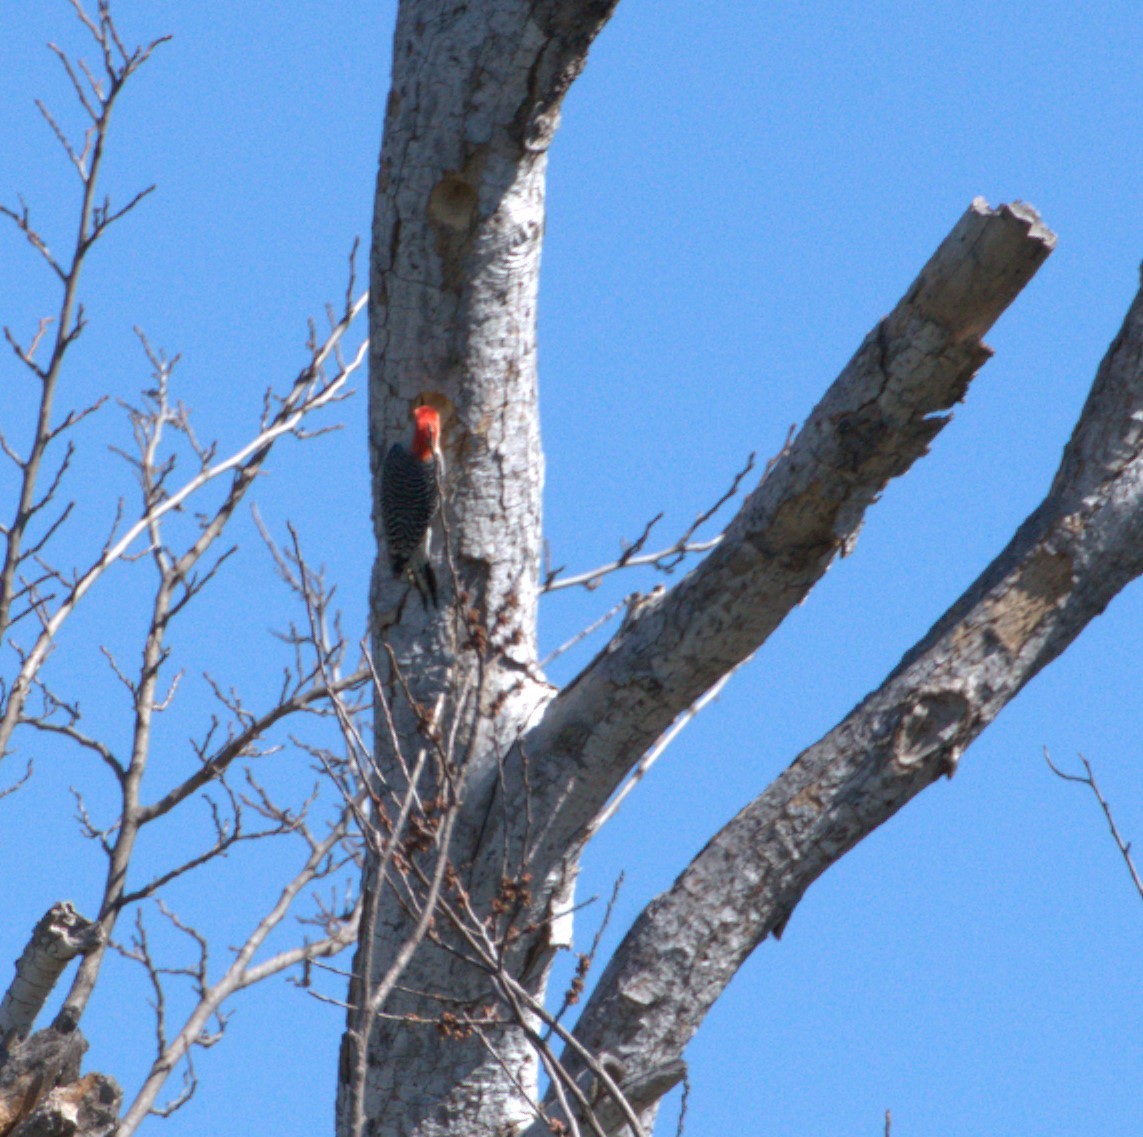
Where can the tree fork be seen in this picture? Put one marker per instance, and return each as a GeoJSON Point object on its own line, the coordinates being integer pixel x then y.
{"type": "Point", "coordinates": [458, 226]}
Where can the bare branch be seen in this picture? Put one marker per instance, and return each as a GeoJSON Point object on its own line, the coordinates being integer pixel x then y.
{"type": "Point", "coordinates": [69, 730]}
{"type": "Point", "coordinates": [583, 633]}
{"type": "Point", "coordinates": [526, 1008]}
{"type": "Point", "coordinates": [242, 972]}
{"type": "Point", "coordinates": [69, 321]}
{"type": "Point", "coordinates": [1087, 778]}
{"type": "Point", "coordinates": [665, 560]}
{"type": "Point", "coordinates": [22, 221]}
{"type": "Point", "coordinates": [238, 744]}
{"type": "Point", "coordinates": [104, 217]}
{"type": "Point", "coordinates": [78, 160]}
{"type": "Point", "coordinates": [586, 960]}
{"type": "Point", "coordinates": [878, 418]}
{"type": "Point", "coordinates": [227, 835]}
{"type": "Point", "coordinates": [685, 1100]}
{"type": "Point", "coordinates": [310, 392]}
{"type": "Point", "coordinates": [656, 752]}
{"type": "Point", "coordinates": [18, 783]}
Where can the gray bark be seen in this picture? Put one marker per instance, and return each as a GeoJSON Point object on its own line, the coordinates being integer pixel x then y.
{"type": "Point", "coordinates": [1067, 561]}
{"type": "Point", "coordinates": [879, 416]}
{"type": "Point", "coordinates": [458, 223]}
{"type": "Point", "coordinates": [455, 262]}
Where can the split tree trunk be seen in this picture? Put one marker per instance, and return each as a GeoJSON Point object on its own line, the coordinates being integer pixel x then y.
{"type": "Point", "coordinates": [456, 251]}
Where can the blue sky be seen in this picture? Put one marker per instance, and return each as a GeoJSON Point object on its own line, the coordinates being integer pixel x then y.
{"type": "Point", "coordinates": [737, 194]}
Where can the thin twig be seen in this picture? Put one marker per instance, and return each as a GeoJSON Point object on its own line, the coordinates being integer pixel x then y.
{"type": "Point", "coordinates": [594, 626]}
{"type": "Point", "coordinates": [685, 1101]}
{"type": "Point", "coordinates": [665, 560]}
{"type": "Point", "coordinates": [1088, 779]}
{"type": "Point", "coordinates": [656, 752]}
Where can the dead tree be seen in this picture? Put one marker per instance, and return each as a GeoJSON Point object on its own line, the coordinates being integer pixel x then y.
{"type": "Point", "coordinates": [469, 806]}
{"type": "Point", "coordinates": [458, 1044]}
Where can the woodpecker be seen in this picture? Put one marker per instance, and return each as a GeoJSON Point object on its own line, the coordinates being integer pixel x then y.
{"type": "Point", "coordinates": [410, 494]}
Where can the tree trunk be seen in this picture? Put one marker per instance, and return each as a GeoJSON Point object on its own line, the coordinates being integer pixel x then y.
{"type": "Point", "coordinates": [457, 234]}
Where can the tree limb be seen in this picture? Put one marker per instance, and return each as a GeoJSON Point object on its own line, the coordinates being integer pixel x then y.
{"type": "Point", "coordinates": [1061, 569]}
{"type": "Point", "coordinates": [880, 415]}
{"type": "Point", "coordinates": [1087, 778]}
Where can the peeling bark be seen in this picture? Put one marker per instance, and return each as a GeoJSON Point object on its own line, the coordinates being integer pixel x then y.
{"type": "Point", "coordinates": [43, 1095]}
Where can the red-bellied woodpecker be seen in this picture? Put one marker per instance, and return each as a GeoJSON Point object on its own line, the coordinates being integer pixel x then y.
{"type": "Point", "coordinates": [410, 494]}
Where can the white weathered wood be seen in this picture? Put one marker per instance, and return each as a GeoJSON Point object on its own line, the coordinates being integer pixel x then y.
{"type": "Point", "coordinates": [61, 934]}
{"type": "Point", "coordinates": [458, 226]}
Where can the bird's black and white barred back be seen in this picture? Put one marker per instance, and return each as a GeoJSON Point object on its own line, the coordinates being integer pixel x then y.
{"type": "Point", "coordinates": [410, 496]}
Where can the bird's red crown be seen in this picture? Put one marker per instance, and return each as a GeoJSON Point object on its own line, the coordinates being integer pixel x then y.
{"type": "Point", "coordinates": [427, 434]}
